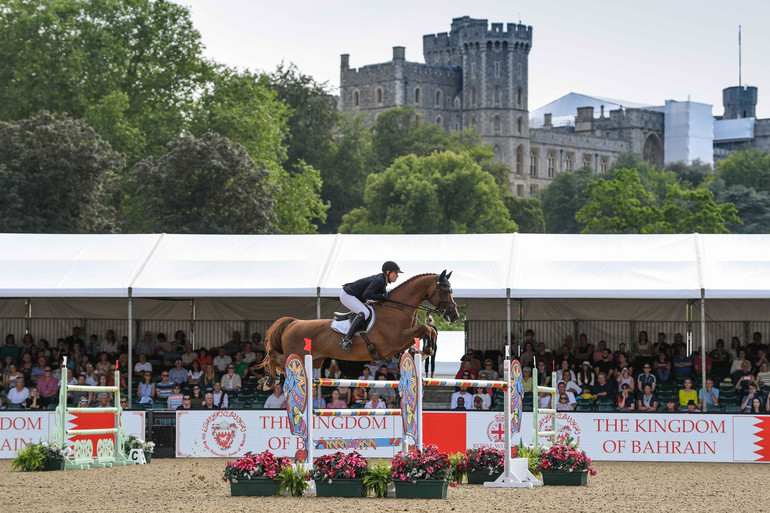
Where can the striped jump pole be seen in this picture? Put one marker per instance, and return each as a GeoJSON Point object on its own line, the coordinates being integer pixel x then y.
{"type": "Point", "coordinates": [537, 411]}
{"type": "Point", "coordinates": [299, 405]}
{"type": "Point", "coordinates": [109, 451]}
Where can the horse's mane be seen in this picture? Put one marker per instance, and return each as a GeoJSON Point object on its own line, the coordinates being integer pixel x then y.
{"type": "Point", "coordinates": [410, 280]}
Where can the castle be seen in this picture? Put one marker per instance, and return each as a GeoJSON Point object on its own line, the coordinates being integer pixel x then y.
{"type": "Point", "coordinates": [476, 76]}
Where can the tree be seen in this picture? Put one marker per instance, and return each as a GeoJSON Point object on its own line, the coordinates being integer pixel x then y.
{"type": "Point", "coordinates": [526, 212]}
{"type": "Point", "coordinates": [141, 59]}
{"type": "Point", "coordinates": [441, 193]}
{"type": "Point", "coordinates": [401, 131]}
{"type": "Point", "coordinates": [620, 205]}
{"type": "Point", "coordinates": [563, 198]}
{"type": "Point", "coordinates": [691, 211]}
{"type": "Point", "coordinates": [750, 168]}
{"type": "Point", "coordinates": [297, 200]}
{"type": "Point", "coordinates": [204, 185]}
{"type": "Point", "coordinates": [753, 207]}
{"type": "Point", "coordinates": [56, 176]}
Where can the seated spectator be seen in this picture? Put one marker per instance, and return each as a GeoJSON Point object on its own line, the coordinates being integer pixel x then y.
{"type": "Point", "coordinates": [221, 399]}
{"type": "Point", "coordinates": [318, 401]}
{"type": "Point", "coordinates": [687, 394]}
{"type": "Point", "coordinates": [584, 351]}
{"type": "Point", "coordinates": [624, 378]}
{"type": "Point", "coordinates": [483, 395]}
{"type": "Point", "coordinates": [172, 355]}
{"type": "Point", "coordinates": [123, 403]}
{"type": "Point", "coordinates": [671, 406]}
{"type": "Point", "coordinates": [647, 401]}
{"type": "Point", "coordinates": [646, 377]}
{"type": "Point", "coordinates": [335, 401]}
{"type": "Point", "coordinates": [605, 365]}
{"type": "Point", "coordinates": [373, 367]}
{"type": "Point", "coordinates": [248, 353]}
{"type": "Point", "coordinates": [392, 364]}
{"type": "Point", "coordinates": [564, 361]}
{"type": "Point", "coordinates": [697, 363]}
{"type": "Point", "coordinates": [692, 407]}
{"type": "Point", "coordinates": [662, 367]}
{"type": "Point", "coordinates": [585, 376]}
{"type": "Point", "coordinates": [737, 365]}
{"type": "Point", "coordinates": [598, 354]}
{"type": "Point", "coordinates": [235, 344]}
{"type": "Point", "coordinates": [720, 358]}
{"type": "Point", "coordinates": [240, 365]}
{"type": "Point", "coordinates": [360, 395]}
{"type": "Point", "coordinates": [333, 371]}
{"type": "Point", "coordinates": [388, 395]}
{"type": "Point", "coordinates": [222, 361]}
{"type": "Point", "coordinates": [527, 357]}
{"type": "Point", "coordinates": [186, 402]}
{"type": "Point", "coordinates": [178, 374]}
{"type": "Point", "coordinates": [34, 401]}
{"type": "Point", "coordinates": [74, 396]}
{"type": "Point", "coordinates": [164, 387]}
{"type": "Point", "coordinates": [142, 365]}
{"type": "Point", "coordinates": [543, 374]}
{"type": "Point", "coordinates": [622, 362]}
{"type": "Point", "coordinates": [204, 358]}
{"type": "Point", "coordinates": [9, 378]}
{"type": "Point", "coordinates": [756, 405]}
{"type": "Point", "coordinates": [174, 401]}
{"type": "Point", "coordinates": [743, 377]}
{"type": "Point", "coordinates": [489, 372]}
{"type": "Point", "coordinates": [563, 404]}
{"type": "Point", "coordinates": [48, 387]}
{"type": "Point", "coordinates": [346, 394]}
{"type": "Point", "coordinates": [209, 378]}
{"type": "Point", "coordinates": [478, 403]}
{"type": "Point", "coordinates": [544, 400]}
{"type": "Point", "coordinates": [94, 398]}
{"type": "Point", "coordinates": [546, 356]}
{"type": "Point", "coordinates": [366, 375]}
{"type": "Point", "coordinates": [82, 402]}
{"type": "Point", "coordinates": [603, 388]}
{"type": "Point", "coordinates": [105, 400]}
{"type": "Point", "coordinates": [626, 400]}
{"type": "Point", "coordinates": [526, 379]}
{"type": "Point", "coordinates": [38, 370]}
{"type": "Point", "coordinates": [753, 393]}
{"type": "Point", "coordinates": [383, 371]}
{"type": "Point", "coordinates": [195, 374]}
{"type": "Point", "coordinates": [146, 389]}
{"type": "Point", "coordinates": [460, 404]}
{"type": "Point", "coordinates": [712, 395]}
{"type": "Point", "coordinates": [763, 376]}
{"type": "Point", "coordinates": [208, 403]}
{"type": "Point", "coordinates": [256, 341]}
{"type": "Point", "coordinates": [231, 382]}
{"type": "Point", "coordinates": [374, 402]}
{"type": "Point", "coordinates": [103, 366]}
{"type": "Point", "coordinates": [561, 389]}
{"type": "Point", "coordinates": [467, 398]}
{"type": "Point", "coordinates": [189, 356]}
{"type": "Point", "coordinates": [197, 397]}
{"type": "Point", "coordinates": [161, 346]}
{"type": "Point", "coordinates": [466, 366]}
{"type": "Point", "coordinates": [92, 377]}
{"type": "Point", "coordinates": [145, 345]}
{"type": "Point", "coordinates": [470, 356]}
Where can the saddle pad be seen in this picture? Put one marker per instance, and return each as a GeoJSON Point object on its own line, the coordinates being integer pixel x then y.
{"type": "Point", "coordinates": [344, 326]}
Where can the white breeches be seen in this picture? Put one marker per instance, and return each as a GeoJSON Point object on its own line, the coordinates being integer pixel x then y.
{"type": "Point", "coordinates": [353, 304]}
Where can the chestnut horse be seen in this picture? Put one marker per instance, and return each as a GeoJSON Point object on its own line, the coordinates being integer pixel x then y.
{"type": "Point", "coordinates": [396, 326]}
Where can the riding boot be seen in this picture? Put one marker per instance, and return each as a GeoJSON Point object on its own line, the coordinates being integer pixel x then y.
{"type": "Point", "coordinates": [347, 340]}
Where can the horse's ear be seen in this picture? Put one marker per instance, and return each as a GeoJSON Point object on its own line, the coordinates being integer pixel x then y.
{"type": "Point", "coordinates": [449, 275]}
{"type": "Point", "coordinates": [442, 276]}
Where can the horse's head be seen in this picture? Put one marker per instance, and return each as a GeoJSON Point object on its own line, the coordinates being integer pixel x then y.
{"type": "Point", "coordinates": [442, 299]}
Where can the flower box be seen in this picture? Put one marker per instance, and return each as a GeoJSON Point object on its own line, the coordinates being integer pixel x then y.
{"type": "Point", "coordinates": [53, 464]}
{"type": "Point", "coordinates": [481, 476]}
{"type": "Point", "coordinates": [564, 478]}
{"type": "Point", "coordinates": [147, 456]}
{"type": "Point", "coordinates": [255, 487]}
{"type": "Point", "coordinates": [422, 489]}
{"type": "Point", "coordinates": [340, 487]}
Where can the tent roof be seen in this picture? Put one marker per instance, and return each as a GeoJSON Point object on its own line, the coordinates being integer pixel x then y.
{"type": "Point", "coordinates": [736, 266]}
{"type": "Point", "coordinates": [50, 265]}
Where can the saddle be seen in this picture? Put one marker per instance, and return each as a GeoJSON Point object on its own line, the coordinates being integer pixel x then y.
{"type": "Point", "coordinates": [341, 322]}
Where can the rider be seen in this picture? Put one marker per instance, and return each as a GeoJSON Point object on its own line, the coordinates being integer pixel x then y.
{"type": "Point", "coordinates": [354, 294]}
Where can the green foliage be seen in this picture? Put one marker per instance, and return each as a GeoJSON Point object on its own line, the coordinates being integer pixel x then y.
{"type": "Point", "coordinates": [29, 459]}
{"type": "Point", "coordinates": [440, 193]}
{"type": "Point", "coordinates": [562, 200]}
{"type": "Point", "coordinates": [620, 205]}
{"type": "Point", "coordinates": [691, 211]}
{"type": "Point", "coordinates": [297, 201]}
{"type": "Point", "coordinates": [295, 480]}
{"type": "Point", "coordinates": [57, 176]}
{"type": "Point", "coordinates": [456, 460]}
{"type": "Point", "coordinates": [204, 185]}
{"type": "Point", "coordinates": [376, 479]}
{"type": "Point", "coordinates": [526, 212]}
{"type": "Point", "coordinates": [532, 455]}
{"type": "Point", "coordinates": [693, 174]}
{"type": "Point", "coordinates": [749, 168]}
{"type": "Point", "coordinates": [401, 131]}
{"type": "Point", "coordinates": [753, 207]}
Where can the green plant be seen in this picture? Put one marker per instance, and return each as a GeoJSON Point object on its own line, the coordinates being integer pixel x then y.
{"type": "Point", "coordinates": [134, 442]}
{"type": "Point", "coordinates": [532, 455]}
{"type": "Point", "coordinates": [376, 479]}
{"type": "Point", "coordinates": [295, 480]}
{"type": "Point", "coordinates": [484, 458]}
{"type": "Point", "coordinates": [567, 458]}
{"type": "Point", "coordinates": [339, 466]}
{"type": "Point", "coordinates": [29, 459]}
{"type": "Point", "coordinates": [426, 464]}
{"type": "Point", "coordinates": [456, 460]}
{"type": "Point", "coordinates": [264, 464]}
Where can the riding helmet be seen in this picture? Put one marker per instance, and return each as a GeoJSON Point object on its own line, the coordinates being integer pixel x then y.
{"type": "Point", "coordinates": [390, 266]}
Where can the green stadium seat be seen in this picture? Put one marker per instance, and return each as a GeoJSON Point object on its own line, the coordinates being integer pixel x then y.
{"type": "Point", "coordinates": [583, 407]}
{"type": "Point", "coordinates": [732, 408]}
{"type": "Point", "coordinates": [710, 408]}
{"type": "Point", "coordinates": [605, 407]}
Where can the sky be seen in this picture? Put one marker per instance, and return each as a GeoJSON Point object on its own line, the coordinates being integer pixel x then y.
{"type": "Point", "coordinates": [645, 52]}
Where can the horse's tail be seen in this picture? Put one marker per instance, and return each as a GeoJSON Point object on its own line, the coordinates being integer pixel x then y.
{"type": "Point", "coordinates": [273, 338]}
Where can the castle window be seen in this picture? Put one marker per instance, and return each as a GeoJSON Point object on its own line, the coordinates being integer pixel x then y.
{"type": "Point", "coordinates": [519, 125]}
{"type": "Point", "coordinates": [586, 160]}
{"type": "Point", "coordinates": [417, 96]}
{"type": "Point", "coordinates": [551, 165]}
{"type": "Point", "coordinates": [568, 162]}
{"type": "Point", "coordinates": [473, 96]}
{"type": "Point", "coordinates": [604, 165]}
{"type": "Point", "coordinates": [496, 124]}
{"type": "Point", "coordinates": [438, 98]}
{"type": "Point", "coordinates": [519, 161]}
{"type": "Point", "coordinates": [533, 163]}
{"type": "Point", "coordinates": [532, 189]}
{"type": "Point", "coordinates": [379, 96]}
{"type": "Point", "coordinates": [439, 121]}
{"type": "Point", "coordinates": [518, 97]}
{"type": "Point", "coordinates": [356, 99]}
{"type": "Point", "coordinates": [497, 69]}
{"type": "Point", "coordinates": [473, 123]}
{"type": "Point", "coordinates": [520, 190]}
{"type": "Point", "coordinates": [498, 154]}
{"type": "Point", "coordinates": [497, 94]}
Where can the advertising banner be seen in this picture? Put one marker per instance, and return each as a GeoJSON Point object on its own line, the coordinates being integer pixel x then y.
{"type": "Point", "coordinates": [20, 428]}
{"type": "Point", "coordinates": [230, 433]}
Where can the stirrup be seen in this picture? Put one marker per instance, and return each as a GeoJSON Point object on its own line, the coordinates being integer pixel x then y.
{"type": "Point", "coordinates": [347, 344]}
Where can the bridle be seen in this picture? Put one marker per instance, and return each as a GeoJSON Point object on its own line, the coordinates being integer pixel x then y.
{"type": "Point", "coordinates": [442, 289]}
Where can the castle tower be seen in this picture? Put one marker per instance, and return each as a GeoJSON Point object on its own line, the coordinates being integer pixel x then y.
{"type": "Point", "coordinates": [739, 102]}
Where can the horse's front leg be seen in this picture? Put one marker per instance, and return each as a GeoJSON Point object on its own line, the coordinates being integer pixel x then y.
{"type": "Point", "coordinates": [420, 331]}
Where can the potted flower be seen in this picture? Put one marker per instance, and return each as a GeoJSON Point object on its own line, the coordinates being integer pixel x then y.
{"type": "Point", "coordinates": [339, 475]}
{"type": "Point", "coordinates": [255, 474]}
{"type": "Point", "coordinates": [421, 474]}
{"type": "Point", "coordinates": [134, 442]}
{"type": "Point", "coordinates": [482, 465]}
{"type": "Point", "coordinates": [55, 455]}
{"type": "Point", "coordinates": [40, 457]}
{"type": "Point", "coordinates": [565, 465]}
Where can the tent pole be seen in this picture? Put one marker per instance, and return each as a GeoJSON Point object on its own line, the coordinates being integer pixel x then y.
{"type": "Point", "coordinates": [520, 335]}
{"type": "Point", "coordinates": [507, 327]}
{"type": "Point", "coordinates": [192, 322]}
{"type": "Point", "coordinates": [703, 344]}
{"type": "Point", "coordinates": [27, 313]}
{"type": "Point", "coordinates": [130, 370]}
{"type": "Point", "coordinates": [318, 302]}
